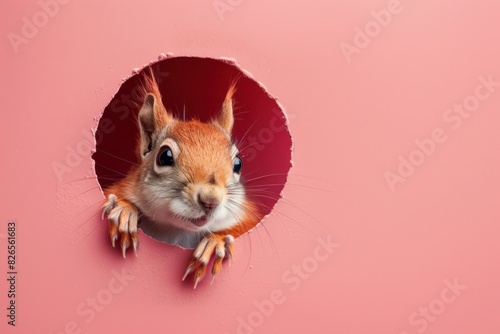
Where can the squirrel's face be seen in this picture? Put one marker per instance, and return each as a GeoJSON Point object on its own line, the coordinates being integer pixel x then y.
{"type": "Point", "coordinates": [190, 171]}
{"type": "Point", "coordinates": [192, 178]}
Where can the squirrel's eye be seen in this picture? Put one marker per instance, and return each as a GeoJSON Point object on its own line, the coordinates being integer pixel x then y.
{"type": "Point", "coordinates": [165, 157]}
{"type": "Point", "coordinates": [237, 164]}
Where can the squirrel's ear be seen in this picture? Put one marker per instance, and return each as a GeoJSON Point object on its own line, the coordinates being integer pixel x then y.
{"type": "Point", "coordinates": [152, 117]}
{"type": "Point", "coordinates": [226, 117]}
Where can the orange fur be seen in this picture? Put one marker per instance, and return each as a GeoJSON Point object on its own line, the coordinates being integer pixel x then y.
{"type": "Point", "coordinates": [150, 86]}
{"type": "Point", "coordinates": [200, 161]}
{"type": "Point", "coordinates": [225, 118]}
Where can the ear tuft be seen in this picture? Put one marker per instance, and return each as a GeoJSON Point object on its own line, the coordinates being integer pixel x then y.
{"type": "Point", "coordinates": [153, 115]}
{"type": "Point", "coordinates": [147, 114]}
{"type": "Point", "coordinates": [226, 116]}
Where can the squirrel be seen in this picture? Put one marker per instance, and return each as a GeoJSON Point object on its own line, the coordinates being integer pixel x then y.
{"type": "Point", "coordinates": [186, 183]}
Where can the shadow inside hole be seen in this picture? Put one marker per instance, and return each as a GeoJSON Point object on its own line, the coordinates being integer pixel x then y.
{"type": "Point", "coordinates": [194, 87]}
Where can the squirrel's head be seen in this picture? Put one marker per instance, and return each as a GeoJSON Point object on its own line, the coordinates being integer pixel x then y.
{"type": "Point", "coordinates": [190, 170]}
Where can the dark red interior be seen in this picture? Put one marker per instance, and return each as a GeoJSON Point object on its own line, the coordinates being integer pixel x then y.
{"type": "Point", "coordinates": [197, 86]}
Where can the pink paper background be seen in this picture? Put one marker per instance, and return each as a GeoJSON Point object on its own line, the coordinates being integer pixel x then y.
{"type": "Point", "coordinates": [351, 119]}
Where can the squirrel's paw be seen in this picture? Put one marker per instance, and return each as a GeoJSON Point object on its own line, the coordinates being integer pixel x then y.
{"type": "Point", "coordinates": [122, 217]}
{"type": "Point", "coordinates": [223, 247]}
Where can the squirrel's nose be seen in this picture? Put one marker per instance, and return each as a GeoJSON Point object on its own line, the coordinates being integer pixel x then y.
{"type": "Point", "coordinates": [208, 202]}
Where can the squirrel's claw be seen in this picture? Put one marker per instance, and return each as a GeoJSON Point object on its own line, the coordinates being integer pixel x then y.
{"type": "Point", "coordinates": [125, 243]}
{"type": "Point", "coordinates": [221, 245]}
{"type": "Point", "coordinates": [135, 242]}
{"type": "Point", "coordinates": [113, 233]}
{"type": "Point", "coordinates": [122, 217]}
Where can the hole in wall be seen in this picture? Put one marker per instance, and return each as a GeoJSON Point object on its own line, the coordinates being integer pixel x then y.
{"type": "Point", "coordinates": [195, 87]}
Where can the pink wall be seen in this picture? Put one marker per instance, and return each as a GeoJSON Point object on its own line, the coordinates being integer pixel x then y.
{"type": "Point", "coordinates": [390, 217]}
